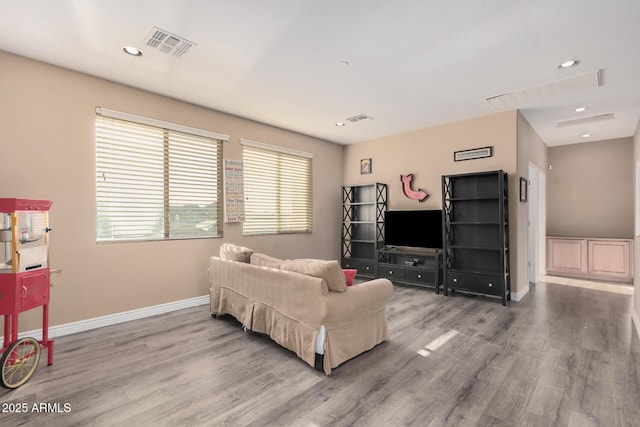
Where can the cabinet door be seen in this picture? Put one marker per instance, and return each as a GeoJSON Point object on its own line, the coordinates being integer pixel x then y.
{"type": "Point", "coordinates": [7, 293]}
{"type": "Point", "coordinates": [566, 256]}
{"type": "Point", "coordinates": [610, 258]}
{"type": "Point", "coordinates": [34, 290]}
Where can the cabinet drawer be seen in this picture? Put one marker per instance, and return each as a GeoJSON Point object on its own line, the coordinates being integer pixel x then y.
{"type": "Point", "coordinates": [479, 283]}
{"type": "Point", "coordinates": [33, 291]}
{"type": "Point", "coordinates": [391, 272]}
{"type": "Point", "coordinates": [365, 268]}
{"type": "Point", "coordinates": [420, 276]}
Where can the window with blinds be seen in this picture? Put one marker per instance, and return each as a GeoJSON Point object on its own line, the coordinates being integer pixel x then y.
{"type": "Point", "coordinates": [278, 190]}
{"type": "Point", "coordinates": [155, 183]}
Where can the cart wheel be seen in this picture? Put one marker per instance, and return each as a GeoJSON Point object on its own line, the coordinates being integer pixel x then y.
{"type": "Point", "coordinates": [19, 362]}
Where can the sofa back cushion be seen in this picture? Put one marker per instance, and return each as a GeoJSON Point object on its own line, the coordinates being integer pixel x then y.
{"type": "Point", "coordinates": [330, 271]}
{"type": "Point", "coordinates": [265, 260]}
{"type": "Point", "coordinates": [232, 252]}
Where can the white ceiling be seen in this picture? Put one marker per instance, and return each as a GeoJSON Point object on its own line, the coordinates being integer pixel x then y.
{"type": "Point", "coordinates": [412, 63]}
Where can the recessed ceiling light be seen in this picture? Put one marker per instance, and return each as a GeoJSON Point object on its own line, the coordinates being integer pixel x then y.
{"type": "Point", "coordinates": [586, 135]}
{"type": "Point", "coordinates": [340, 124]}
{"type": "Point", "coordinates": [580, 109]}
{"type": "Point", "coordinates": [569, 64]}
{"type": "Point", "coordinates": [133, 51]}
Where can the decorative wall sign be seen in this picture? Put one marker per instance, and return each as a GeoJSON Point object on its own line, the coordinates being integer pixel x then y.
{"type": "Point", "coordinates": [523, 189]}
{"type": "Point", "coordinates": [365, 166]}
{"type": "Point", "coordinates": [233, 191]}
{"type": "Point", "coordinates": [475, 153]}
{"type": "Point", "coordinates": [419, 195]}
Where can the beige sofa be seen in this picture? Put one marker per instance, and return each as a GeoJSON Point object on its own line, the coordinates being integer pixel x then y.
{"type": "Point", "coordinates": [303, 305]}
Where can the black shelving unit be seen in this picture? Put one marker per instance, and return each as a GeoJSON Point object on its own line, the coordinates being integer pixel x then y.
{"type": "Point", "coordinates": [362, 235]}
{"type": "Point", "coordinates": [476, 234]}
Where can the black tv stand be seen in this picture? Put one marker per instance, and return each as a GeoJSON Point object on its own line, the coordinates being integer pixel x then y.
{"type": "Point", "coordinates": [413, 266]}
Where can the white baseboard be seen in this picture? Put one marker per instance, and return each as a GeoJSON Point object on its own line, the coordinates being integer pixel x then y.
{"type": "Point", "coordinates": [636, 320]}
{"type": "Point", "coordinates": [114, 319]}
{"type": "Point", "coordinates": [517, 296]}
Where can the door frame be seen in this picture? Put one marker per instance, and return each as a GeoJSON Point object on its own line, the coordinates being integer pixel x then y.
{"type": "Point", "coordinates": [537, 224]}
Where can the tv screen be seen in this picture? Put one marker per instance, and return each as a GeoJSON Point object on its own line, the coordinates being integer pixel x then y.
{"type": "Point", "coordinates": [414, 228]}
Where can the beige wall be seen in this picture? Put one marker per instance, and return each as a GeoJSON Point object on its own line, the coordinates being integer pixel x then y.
{"type": "Point", "coordinates": [47, 145]}
{"type": "Point", "coordinates": [590, 189]}
{"type": "Point", "coordinates": [531, 149]}
{"type": "Point", "coordinates": [636, 252]}
{"type": "Point", "coordinates": [428, 154]}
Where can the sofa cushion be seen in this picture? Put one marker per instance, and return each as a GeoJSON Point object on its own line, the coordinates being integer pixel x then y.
{"type": "Point", "coordinates": [330, 271]}
{"type": "Point", "coordinates": [265, 260]}
{"type": "Point", "coordinates": [232, 252]}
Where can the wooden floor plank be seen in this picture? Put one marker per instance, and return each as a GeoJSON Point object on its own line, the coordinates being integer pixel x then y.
{"type": "Point", "coordinates": [563, 356]}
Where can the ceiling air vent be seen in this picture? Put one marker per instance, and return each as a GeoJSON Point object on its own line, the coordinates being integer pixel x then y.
{"type": "Point", "coordinates": [584, 120]}
{"type": "Point", "coordinates": [359, 118]}
{"type": "Point", "coordinates": [167, 42]}
{"type": "Point", "coordinates": [539, 95]}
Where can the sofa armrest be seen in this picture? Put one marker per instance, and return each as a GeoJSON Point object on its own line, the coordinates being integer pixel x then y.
{"type": "Point", "coordinates": [366, 297]}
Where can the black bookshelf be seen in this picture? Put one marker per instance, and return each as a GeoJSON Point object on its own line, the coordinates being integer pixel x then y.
{"type": "Point", "coordinates": [362, 235]}
{"type": "Point", "coordinates": [476, 234]}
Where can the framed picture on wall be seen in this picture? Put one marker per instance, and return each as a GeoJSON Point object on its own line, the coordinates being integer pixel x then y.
{"type": "Point", "coordinates": [365, 166]}
{"type": "Point", "coordinates": [474, 153]}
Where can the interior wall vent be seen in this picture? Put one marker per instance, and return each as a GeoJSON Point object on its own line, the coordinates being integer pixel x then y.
{"type": "Point", "coordinates": [539, 95]}
{"type": "Point", "coordinates": [167, 42]}
{"type": "Point", "coordinates": [584, 120]}
{"type": "Point", "coordinates": [359, 118]}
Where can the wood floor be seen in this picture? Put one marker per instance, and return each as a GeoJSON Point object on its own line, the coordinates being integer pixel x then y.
{"type": "Point", "coordinates": [563, 356]}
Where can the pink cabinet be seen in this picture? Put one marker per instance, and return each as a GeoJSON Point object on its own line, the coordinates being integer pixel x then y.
{"type": "Point", "coordinates": [590, 258]}
{"type": "Point", "coordinates": [566, 256]}
{"type": "Point", "coordinates": [611, 259]}
{"type": "Point", "coordinates": [24, 291]}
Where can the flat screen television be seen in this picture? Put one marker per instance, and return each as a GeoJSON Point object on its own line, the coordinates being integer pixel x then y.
{"type": "Point", "coordinates": [413, 228]}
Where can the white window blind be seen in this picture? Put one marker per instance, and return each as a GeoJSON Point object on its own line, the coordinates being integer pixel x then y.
{"type": "Point", "coordinates": [155, 183]}
{"type": "Point", "coordinates": [278, 190]}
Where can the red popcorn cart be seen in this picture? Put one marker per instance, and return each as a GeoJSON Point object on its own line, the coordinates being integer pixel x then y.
{"type": "Point", "coordinates": [24, 285]}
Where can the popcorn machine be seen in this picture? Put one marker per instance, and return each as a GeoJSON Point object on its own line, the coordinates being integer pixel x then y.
{"type": "Point", "coordinates": [24, 285]}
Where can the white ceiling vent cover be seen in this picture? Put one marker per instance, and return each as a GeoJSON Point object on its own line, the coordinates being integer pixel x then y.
{"type": "Point", "coordinates": [539, 95]}
{"type": "Point", "coordinates": [359, 118]}
{"type": "Point", "coordinates": [584, 120]}
{"type": "Point", "coordinates": [167, 42]}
